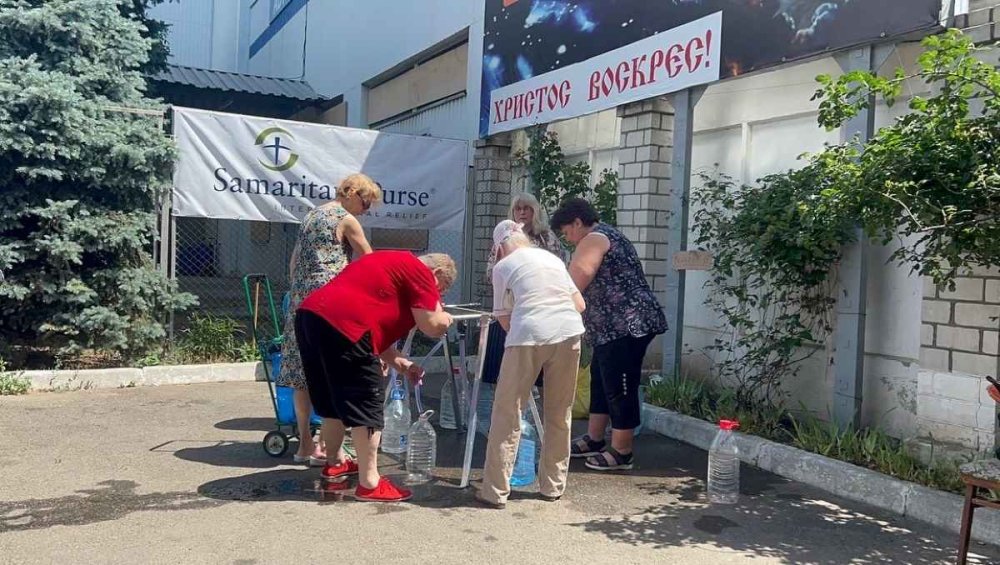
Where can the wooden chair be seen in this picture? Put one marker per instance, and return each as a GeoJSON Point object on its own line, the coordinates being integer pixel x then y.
{"type": "Point", "coordinates": [983, 474]}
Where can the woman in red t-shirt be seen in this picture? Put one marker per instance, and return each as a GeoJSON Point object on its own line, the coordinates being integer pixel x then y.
{"type": "Point", "coordinates": [346, 329]}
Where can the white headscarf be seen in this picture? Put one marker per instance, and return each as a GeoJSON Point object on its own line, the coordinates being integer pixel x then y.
{"type": "Point", "coordinates": [503, 232]}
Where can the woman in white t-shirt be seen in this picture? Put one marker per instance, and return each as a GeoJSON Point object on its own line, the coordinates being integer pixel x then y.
{"type": "Point", "coordinates": [536, 302]}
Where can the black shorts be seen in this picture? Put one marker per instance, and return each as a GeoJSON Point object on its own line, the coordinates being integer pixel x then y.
{"type": "Point", "coordinates": [344, 377]}
{"type": "Point", "coordinates": [615, 371]}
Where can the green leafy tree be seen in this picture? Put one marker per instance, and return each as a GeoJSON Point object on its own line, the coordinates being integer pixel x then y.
{"type": "Point", "coordinates": [82, 167]}
{"type": "Point", "coordinates": [554, 180]}
{"type": "Point", "coordinates": [934, 175]}
{"type": "Point", "coordinates": [929, 181]}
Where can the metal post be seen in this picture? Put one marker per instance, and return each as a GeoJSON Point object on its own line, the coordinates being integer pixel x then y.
{"type": "Point", "coordinates": [477, 378]}
{"type": "Point", "coordinates": [456, 388]}
{"type": "Point", "coordinates": [851, 310]}
{"type": "Point", "coordinates": [468, 238]}
{"type": "Point", "coordinates": [172, 265]}
{"type": "Point", "coordinates": [677, 224]}
{"type": "Point", "coordinates": [533, 408]}
{"type": "Point", "coordinates": [164, 243]}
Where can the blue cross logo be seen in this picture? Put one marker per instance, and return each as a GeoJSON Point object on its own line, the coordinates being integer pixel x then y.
{"type": "Point", "coordinates": [276, 163]}
{"type": "Point", "coordinates": [277, 146]}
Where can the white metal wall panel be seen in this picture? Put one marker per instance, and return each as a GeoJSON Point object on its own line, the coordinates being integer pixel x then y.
{"type": "Point", "coordinates": [448, 120]}
{"type": "Point", "coordinates": [190, 31]}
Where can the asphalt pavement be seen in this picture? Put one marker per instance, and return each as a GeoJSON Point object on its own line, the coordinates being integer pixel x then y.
{"type": "Point", "coordinates": [176, 474]}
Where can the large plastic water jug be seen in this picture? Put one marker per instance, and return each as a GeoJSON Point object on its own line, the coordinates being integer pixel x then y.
{"type": "Point", "coordinates": [724, 465]}
{"type": "Point", "coordinates": [526, 464]}
{"type": "Point", "coordinates": [421, 455]}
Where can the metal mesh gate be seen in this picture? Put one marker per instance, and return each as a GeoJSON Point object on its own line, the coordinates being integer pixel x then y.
{"type": "Point", "coordinates": [212, 257]}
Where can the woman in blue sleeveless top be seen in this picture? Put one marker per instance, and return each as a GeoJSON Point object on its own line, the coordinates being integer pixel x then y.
{"type": "Point", "coordinates": [622, 317]}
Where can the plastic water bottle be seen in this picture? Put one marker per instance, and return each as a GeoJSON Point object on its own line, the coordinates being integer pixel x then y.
{"type": "Point", "coordinates": [484, 408]}
{"type": "Point", "coordinates": [526, 464]}
{"type": "Point", "coordinates": [724, 465]}
{"type": "Point", "coordinates": [395, 435]}
{"type": "Point", "coordinates": [447, 418]}
{"type": "Point", "coordinates": [421, 455]}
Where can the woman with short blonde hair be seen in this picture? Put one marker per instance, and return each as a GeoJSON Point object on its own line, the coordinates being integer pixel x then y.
{"type": "Point", "coordinates": [362, 186]}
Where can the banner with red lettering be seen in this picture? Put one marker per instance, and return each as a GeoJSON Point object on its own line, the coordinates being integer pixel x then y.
{"type": "Point", "coordinates": [667, 62]}
{"type": "Point", "coordinates": [553, 59]}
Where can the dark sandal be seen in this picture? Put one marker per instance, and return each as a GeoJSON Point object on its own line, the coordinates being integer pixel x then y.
{"type": "Point", "coordinates": [585, 447]}
{"type": "Point", "coordinates": [600, 463]}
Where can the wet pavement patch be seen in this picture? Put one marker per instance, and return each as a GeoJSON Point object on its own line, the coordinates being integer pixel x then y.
{"type": "Point", "coordinates": [110, 501]}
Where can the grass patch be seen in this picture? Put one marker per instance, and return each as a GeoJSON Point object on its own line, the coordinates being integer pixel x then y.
{"type": "Point", "coordinates": [869, 447]}
{"type": "Point", "coordinates": [206, 339]}
{"type": "Point", "coordinates": [12, 384]}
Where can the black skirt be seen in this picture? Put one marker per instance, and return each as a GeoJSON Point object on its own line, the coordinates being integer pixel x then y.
{"type": "Point", "coordinates": [494, 355]}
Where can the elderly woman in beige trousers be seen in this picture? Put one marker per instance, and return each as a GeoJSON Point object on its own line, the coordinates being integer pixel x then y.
{"type": "Point", "coordinates": [536, 302]}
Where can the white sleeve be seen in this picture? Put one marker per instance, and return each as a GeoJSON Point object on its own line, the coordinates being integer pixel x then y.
{"type": "Point", "coordinates": [500, 291]}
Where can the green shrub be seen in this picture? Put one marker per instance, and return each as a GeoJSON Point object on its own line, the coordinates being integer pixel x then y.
{"type": "Point", "coordinates": [12, 383]}
{"type": "Point", "coordinates": [873, 449]}
{"type": "Point", "coordinates": [870, 447]}
{"type": "Point", "coordinates": [210, 339]}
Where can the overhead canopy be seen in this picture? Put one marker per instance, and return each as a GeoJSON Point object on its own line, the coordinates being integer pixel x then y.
{"type": "Point", "coordinates": [237, 82]}
{"type": "Point", "coordinates": [236, 92]}
{"type": "Point", "coordinates": [247, 168]}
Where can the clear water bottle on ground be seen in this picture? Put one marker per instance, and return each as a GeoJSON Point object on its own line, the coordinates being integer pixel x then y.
{"type": "Point", "coordinates": [396, 431]}
{"type": "Point", "coordinates": [421, 455]}
{"type": "Point", "coordinates": [484, 408]}
{"type": "Point", "coordinates": [724, 465]}
{"type": "Point", "coordinates": [526, 464]}
{"type": "Point", "coordinates": [447, 418]}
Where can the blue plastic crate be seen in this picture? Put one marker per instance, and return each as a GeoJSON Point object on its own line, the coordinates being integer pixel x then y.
{"type": "Point", "coordinates": [284, 396]}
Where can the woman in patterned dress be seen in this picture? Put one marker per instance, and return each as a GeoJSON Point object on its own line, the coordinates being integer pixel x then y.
{"type": "Point", "coordinates": [622, 317]}
{"type": "Point", "coordinates": [327, 237]}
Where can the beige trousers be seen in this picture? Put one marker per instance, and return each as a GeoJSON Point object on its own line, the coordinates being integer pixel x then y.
{"type": "Point", "coordinates": [518, 372]}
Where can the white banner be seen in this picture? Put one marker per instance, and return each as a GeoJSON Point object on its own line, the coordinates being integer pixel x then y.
{"type": "Point", "coordinates": [247, 168]}
{"type": "Point", "coordinates": [669, 61]}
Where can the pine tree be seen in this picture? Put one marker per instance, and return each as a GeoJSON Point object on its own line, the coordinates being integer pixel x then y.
{"type": "Point", "coordinates": [81, 172]}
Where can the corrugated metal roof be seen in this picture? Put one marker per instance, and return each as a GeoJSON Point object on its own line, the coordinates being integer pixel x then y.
{"type": "Point", "coordinates": [236, 82]}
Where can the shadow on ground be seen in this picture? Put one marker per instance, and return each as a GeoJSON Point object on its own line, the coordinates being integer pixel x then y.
{"type": "Point", "coordinates": [243, 454]}
{"type": "Point", "coordinates": [775, 518]}
{"type": "Point", "coordinates": [247, 424]}
{"type": "Point", "coordinates": [659, 504]}
{"type": "Point", "coordinates": [111, 500]}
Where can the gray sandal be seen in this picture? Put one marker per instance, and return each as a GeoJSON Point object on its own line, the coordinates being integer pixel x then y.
{"type": "Point", "coordinates": [622, 462]}
{"type": "Point", "coordinates": [585, 447]}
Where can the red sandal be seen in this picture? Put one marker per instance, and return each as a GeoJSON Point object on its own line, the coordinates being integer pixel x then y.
{"type": "Point", "coordinates": [384, 491]}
